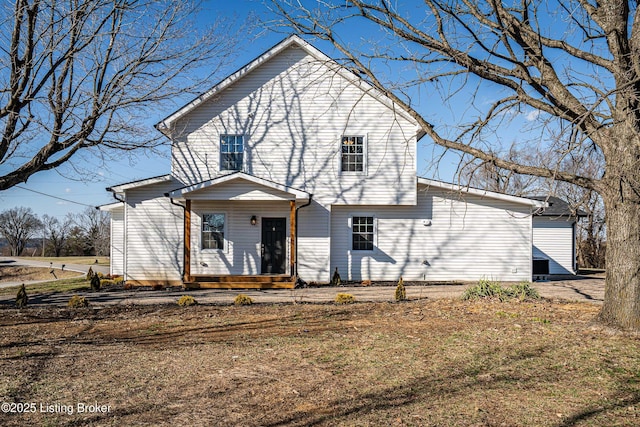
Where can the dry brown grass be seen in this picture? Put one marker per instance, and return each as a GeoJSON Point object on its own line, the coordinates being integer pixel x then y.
{"type": "Point", "coordinates": [25, 274]}
{"type": "Point", "coordinates": [423, 363]}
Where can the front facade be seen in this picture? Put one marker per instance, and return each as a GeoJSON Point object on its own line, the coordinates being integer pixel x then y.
{"type": "Point", "coordinates": [294, 167]}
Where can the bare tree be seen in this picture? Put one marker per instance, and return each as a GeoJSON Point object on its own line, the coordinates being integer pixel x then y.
{"type": "Point", "coordinates": [575, 64]}
{"type": "Point", "coordinates": [95, 231]}
{"type": "Point", "coordinates": [83, 76]}
{"type": "Point", "coordinates": [56, 233]}
{"type": "Point", "coordinates": [18, 225]}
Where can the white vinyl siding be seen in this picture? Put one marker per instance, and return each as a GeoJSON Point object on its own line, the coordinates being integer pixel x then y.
{"type": "Point", "coordinates": [154, 230]}
{"type": "Point", "coordinates": [117, 241]}
{"type": "Point", "coordinates": [293, 111]}
{"type": "Point", "coordinates": [445, 237]}
{"type": "Point", "coordinates": [553, 240]}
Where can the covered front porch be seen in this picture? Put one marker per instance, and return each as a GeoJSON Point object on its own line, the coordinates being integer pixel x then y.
{"type": "Point", "coordinates": [240, 232]}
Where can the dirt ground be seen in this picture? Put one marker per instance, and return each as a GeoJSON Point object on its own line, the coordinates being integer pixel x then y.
{"type": "Point", "coordinates": [432, 362]}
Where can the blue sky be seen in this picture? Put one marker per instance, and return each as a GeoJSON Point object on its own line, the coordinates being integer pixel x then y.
{"type": "Point", "coordinates": [78, 192]}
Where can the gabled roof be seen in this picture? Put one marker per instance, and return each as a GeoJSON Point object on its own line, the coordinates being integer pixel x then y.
{"type": "Point", "coordinates": [481, 193]}
{"type": "Point", "coordinates": [290, 192]}
{"type": "Point", "coordinates": [558, 207]}
{"type": "Point", "coordinates": [290, 41]}
{"type": "Point", "coordinates": [139, 183]}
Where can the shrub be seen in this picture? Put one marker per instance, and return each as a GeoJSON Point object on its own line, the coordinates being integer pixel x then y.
{"type": "Point", "coordinates": [243, 299]}
{"type": "Point", "coordinates": [401, 291]}
{"type": "Point", "coordinates": [111, 282]}
{"type": "Point", "coordinates": [22, 299]}
{"type": "Point", "coordinates": [343, 298]}
{"type": "Point", "coordinates": [157, 287]}
{"type": "Point", "coordinates": [95, 283]}
{"type": "Point", "coordinates": [187, 300]}
{"type": "Point", "coordinates": [77, 301]}
{"type": "Point", "coordinates": [335, 279]}
{"type": "Point", "coordinates": [90, 273]}
{"type": "Point", "coordinates": [128, 286]}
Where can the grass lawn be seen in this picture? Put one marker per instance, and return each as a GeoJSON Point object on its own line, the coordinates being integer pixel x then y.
{"type": "Point", "coordinates": [84, 260]}
{"type": "Point", "coordinates": [421, 363]}
{"type": "Point", "coordinates": [63, 285]}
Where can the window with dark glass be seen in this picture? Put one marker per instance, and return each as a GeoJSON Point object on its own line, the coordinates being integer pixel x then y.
{"type": "Point", "coordinates": [231, 152]}
{"type": "Point", "coordinates": [213, 231]}
{"type": "Point", "coordinates": [362, 233]}
{"type": "Point", "coordinates": [352, 148]}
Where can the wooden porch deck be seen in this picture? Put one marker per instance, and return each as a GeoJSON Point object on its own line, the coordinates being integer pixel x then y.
{"type": "Point", "coordinates": [263, 281]}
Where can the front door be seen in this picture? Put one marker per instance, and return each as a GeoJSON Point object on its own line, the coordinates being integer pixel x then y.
{"type": "Point", "coordinates": [274, 244]}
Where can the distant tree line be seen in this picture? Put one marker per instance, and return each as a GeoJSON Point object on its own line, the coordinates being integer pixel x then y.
{"type": "Point", "coordinates": [26, 234]}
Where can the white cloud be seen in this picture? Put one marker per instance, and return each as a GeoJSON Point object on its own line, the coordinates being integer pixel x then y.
{"type": "Point", "coordinates": [67, 190]}
{"type": "Point", "coordinates": [532, 115]}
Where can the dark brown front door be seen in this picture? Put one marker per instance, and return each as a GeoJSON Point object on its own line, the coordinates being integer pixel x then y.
{"type": "Point", "coordinates": [274, 244]}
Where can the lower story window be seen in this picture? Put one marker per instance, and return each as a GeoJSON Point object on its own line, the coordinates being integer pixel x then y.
{"type": "Point", "coordinates": [362, 233]}
{"type": "Point", "coordinates": [213, 231]}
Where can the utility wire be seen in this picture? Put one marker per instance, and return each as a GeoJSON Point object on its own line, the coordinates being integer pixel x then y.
{"type": "Point", "coordinates": [54, 197]}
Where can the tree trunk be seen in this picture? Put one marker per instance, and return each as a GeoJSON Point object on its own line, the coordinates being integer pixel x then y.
{"type": "Point", "coordinates": [621, 308]}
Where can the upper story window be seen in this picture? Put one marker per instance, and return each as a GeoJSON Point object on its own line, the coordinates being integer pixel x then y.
{"type": "Point", "coordinates": [231, 152]}
{"type": "Point", "coordinates": [213, 231]}
{"type": "Point", "coordinates": [352, 150]}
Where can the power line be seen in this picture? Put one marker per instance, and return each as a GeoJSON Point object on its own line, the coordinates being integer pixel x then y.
{"type": "Point", "coordinates": [54, 197]}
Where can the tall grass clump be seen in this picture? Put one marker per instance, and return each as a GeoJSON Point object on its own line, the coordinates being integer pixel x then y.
{"type": "Point", "coordinates": [493, 290]}
{"type": "Point", "coordinates": [344, 298]}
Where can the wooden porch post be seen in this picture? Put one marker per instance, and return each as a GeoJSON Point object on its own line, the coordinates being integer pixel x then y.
{"type": "Point", "coordinates": [187, 242]}
{"type": "Point", "coordinates": [292, 233]}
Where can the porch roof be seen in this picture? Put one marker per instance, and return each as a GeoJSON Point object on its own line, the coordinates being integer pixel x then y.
{"type": "Point", "coordinates": [239, 186]}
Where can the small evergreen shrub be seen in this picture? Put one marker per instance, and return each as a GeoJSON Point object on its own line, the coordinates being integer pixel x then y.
{"type": "Point", "coordinates": [90, 273]}
{"type": "Point", "coordinates": [343, 298]}
{"type": "Point", "coordinates": [95, 283]}
{"type": "Point", "coordinates": [77, 301]}
{"type": "Point", "coordinates": [21, 298]}
{"type": "Point", "coordinates": [335, 279]}
{"type": "Point", "coordinates": [243, 299]}
{"type": "Point", "coordinates": [401, 291]}
{"type": "Point", "coordinates": [186, 301]}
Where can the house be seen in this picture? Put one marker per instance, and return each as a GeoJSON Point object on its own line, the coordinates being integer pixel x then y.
{"type": "Point", "coordinates": [294, 166]}
{"type": "Point", "coordinates": [554, 235]}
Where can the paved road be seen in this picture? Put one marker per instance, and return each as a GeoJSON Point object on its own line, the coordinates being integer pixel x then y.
{"type": "Point", "coordinates": [585, 289]}
{"type": "Point", "coordinates": [80, 268]}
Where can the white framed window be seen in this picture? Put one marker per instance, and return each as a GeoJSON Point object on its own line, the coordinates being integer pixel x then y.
{"type": "Point", "coordinates": [231, 152]}
{"type": "Point", "coordinates": [363, 233]}
{"type": "Point", "coordinates": [213, 231]}
{"type": "Point", "coordinates": [352, 152]}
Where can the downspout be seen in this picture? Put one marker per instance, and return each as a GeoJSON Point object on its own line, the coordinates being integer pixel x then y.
{"type": "Point", "coordinates": [296, 236]}
{"type": "Point", "coordinates": [124, 236]}
{"type": "Point", "coordinates": [183, 214]}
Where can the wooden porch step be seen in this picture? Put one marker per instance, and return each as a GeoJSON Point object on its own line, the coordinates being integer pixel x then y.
{"type": "Point", "coordinates": [290, 284]}
{"type": "Point", "coordinates": [261, 278]}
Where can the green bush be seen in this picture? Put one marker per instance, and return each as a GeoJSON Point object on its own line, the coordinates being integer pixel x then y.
{"type": "Point", "coordinates": [77, 301]}
{"type": "Point", "coordinates": [89, 273]}
{"type": "Point", "coordinates": [95, 283]}
{"type": "Point", "coordinates": [401, 291]}
{"type": "Point", "coordinates": [21, 298]}
{"type": "Point", "coordinates": [343, 298]}
{"type": "Point", "coordinates": [243, 299]}
{"type": "Point", "coordinates": [492, 289]}
{"type": "Point", "coordinates": [186, 301]}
